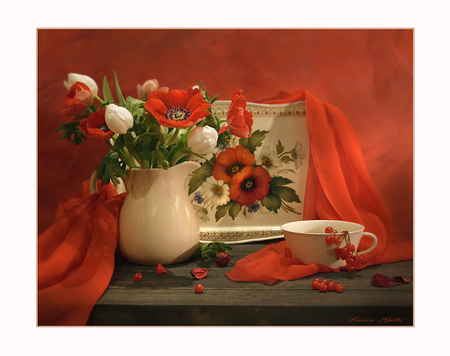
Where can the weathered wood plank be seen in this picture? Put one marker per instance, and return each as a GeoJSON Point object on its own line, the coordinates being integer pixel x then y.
{"type": "Point", "coordinates": [169, 299]}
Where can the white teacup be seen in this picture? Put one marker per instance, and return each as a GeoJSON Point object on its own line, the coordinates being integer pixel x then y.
{"type": "Point", "coordinates": [307, 240]}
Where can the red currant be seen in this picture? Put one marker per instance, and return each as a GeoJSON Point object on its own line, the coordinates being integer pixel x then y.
{"type": "Point", "coordinates": [199, 288]}
{"type": "Point", "coordinates": [339, 288]}
{"type": "Point", "coordinates": [351, 248]}
{"type": "Point", "coordinates": [137, 277]}
{"type": "Point", "coordinates": [358, 258]}
{"type": "Point", "coordinates": [331, 285]}
{"type": "Point", "coordinates": [315, 283]}
{"type": "Point", "coordinates": [329, 230]}
{"type": "Point", "coordinates": [349, 268]}
{"type": "Point", "coordinates": [344, 253]}
{"type": "Point", "coordinates": [323, 287]}
{"type": "Point", "coordinates": [336, 240]}
{"type": "Point", "coordinates": [329, 239]}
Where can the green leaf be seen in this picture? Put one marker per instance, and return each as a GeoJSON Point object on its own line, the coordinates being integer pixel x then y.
{"type": "Point", "coordinates": [107, 91]}
{"type": "Point", "coordinates": [71, 132]}
{"type": "Point", "coordinates": [207, 252]}
{"type": "Point", "coordinates": [272, 202]}
{"type": "Point", "coordinates": [234, 210]}
{"type": "Point", "coordinates": [111, 168]}
{"type": "Point", "coordinates": [221, 211]}
{"type": "Point", "coordinates": [279, 147]}
{"type": "Point", "coordinates": [279, 181]}
{"type": "Point", "coordinates": [118, 91]}
{"type": "Point", "coordinates": [254, 141]}
{"type": "Point", "coordinates": [286, 194]}
{"type": "Point", "coordinates": [286, 159]}
{"type": "Point", "coordinates": [199, 176]}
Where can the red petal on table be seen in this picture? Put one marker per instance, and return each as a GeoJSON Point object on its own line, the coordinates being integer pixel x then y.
{"type": "Point", "coordinates": [401, 280]}
{"type": "Point", "coordinates": [160, 269]}
{"type": "Point", "coordinates": [200, 273]}
{"type": "Point", "coordinates": [381, 280]}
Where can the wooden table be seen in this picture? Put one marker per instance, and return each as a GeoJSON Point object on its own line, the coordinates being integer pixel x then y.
{"type": "Point", "coordinates": [170, 300]}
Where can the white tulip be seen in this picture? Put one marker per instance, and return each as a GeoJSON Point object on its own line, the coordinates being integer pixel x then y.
{"type": "Point", "coordinates": [73, 78]}
{"type": "Point", "coordinates": [118, 119]}
{"type": "Point", "coordinates": [202, 140]}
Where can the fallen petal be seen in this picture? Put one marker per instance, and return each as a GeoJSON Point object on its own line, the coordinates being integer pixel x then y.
{"type": "Point", "coordinates": [200, 273]}
{"type": "Point", "coordinates": [381, 280]}
{"type": "Point", "coordinates": [160, 269]}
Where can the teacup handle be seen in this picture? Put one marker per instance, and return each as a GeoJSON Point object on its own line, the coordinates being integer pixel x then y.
{"type": "Point", "coordinates": [371, 248]}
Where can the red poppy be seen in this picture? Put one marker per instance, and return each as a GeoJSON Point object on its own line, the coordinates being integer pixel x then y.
{"type": "Point", "coordinates": [249, 185]}
{"type": "Point", "coordinates": [232, 161]}
{"type": "Point", "coordinates": [94, 126]}
{"type": "Point", "coordinates": [239, 120]}
{"type": "Point", "coordinates": [177, 108]}
{"type": "Point", "coordinates": [78, 100]}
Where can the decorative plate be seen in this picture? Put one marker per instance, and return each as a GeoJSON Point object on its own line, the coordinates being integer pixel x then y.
{"type": "Point", "coordinates": [245, 191]}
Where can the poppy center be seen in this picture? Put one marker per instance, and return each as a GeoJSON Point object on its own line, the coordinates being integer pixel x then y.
{"type": "Point", "coordinates": [248, 184]}
{"type": "Point", "coordinates": [267, 162]}
{"type": "Point", "coordinates": [235, 169]}
{"type": "Point", "coordinates": [103, 127]}
{"type": "Point", "coordinates": [178, 114]}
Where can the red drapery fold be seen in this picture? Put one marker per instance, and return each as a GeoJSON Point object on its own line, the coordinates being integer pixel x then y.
{"type": "Point", "coordinates": [76, 256]}
{"type": "Point", "coordinates": [338, 188]}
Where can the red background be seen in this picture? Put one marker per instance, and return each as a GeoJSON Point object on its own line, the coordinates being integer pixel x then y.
{"type": "Point", "coordinates": [368, 74]}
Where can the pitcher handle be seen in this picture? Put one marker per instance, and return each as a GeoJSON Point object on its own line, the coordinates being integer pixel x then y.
{"type": "Point", "coordinates": [371, 248]}
{"type": "Point", "coordinates": [93, 183]}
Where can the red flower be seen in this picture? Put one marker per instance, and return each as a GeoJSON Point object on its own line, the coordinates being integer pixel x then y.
{"type": "Point", "coordinates": [177, 108]}
{"type": "Point", "coordinates": [78, 100]}
{"type": "Point", "coordinates": [249, 185]}
{"type": "Point", "coordinates": [94, 126]}
{"type": "Point", "coordinates": [232, 161]}
{"type": "Point", "coordinates": [239, 120]}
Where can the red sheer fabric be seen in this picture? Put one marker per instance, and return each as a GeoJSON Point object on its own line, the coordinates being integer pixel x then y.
{"type": "Point", "coordinates": [76, 256]}
{"type": "Point", "coordinates": [338, 188]}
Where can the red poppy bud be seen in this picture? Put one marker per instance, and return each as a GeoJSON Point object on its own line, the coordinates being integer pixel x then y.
{"type": "Point", "coordinates": [223, 259]}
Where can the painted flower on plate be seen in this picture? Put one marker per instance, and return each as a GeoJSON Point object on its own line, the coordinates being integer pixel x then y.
{"type": "Point", "coordinates": [269, 160]}
{"type": "Point", "coordinates": [216, 191]}
{"type": "Point", "coordinates": [249, 185]}
{"type": "Point", "coordinates": [232, 161]}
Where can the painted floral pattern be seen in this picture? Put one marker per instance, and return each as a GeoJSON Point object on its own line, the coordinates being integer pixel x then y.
{"type": "Point", "coordinates": [239, 179]}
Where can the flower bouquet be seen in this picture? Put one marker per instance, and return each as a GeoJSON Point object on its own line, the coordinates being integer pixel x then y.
{"type": "Point", "coordinates": [163, 128]}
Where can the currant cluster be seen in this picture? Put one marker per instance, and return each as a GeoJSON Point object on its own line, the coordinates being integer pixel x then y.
{"type": "Point", "coordinates": [347, 252]}
{"type": "Point", "coordinates": [324, 285]}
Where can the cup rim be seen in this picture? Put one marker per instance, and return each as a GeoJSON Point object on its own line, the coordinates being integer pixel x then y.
{"type": "Point", "coordinates": [285, 227]}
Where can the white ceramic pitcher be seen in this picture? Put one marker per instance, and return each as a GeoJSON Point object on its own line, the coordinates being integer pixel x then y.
{"type": "Point", "coordinates": [157, 221]}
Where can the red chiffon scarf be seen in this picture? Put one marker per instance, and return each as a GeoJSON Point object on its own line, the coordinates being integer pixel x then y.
{"type": "Point", "coordinates": [76, 256]}
{"type": "Point", "coordinates": [338, 188]}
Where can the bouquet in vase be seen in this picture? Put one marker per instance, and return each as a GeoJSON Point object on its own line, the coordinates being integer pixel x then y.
{"type": "Point", "coordinates": [162, 128]}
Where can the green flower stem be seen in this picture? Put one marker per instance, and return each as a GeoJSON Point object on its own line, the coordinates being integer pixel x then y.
{"type": "Point", "coordinates": [122, 155]}
{"type": "Point", "coordinates": [173, 138]}
{"type": "Point", "coordinates": [129, 146]}
{"type": "Point", "coordinates": [98, 99]}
